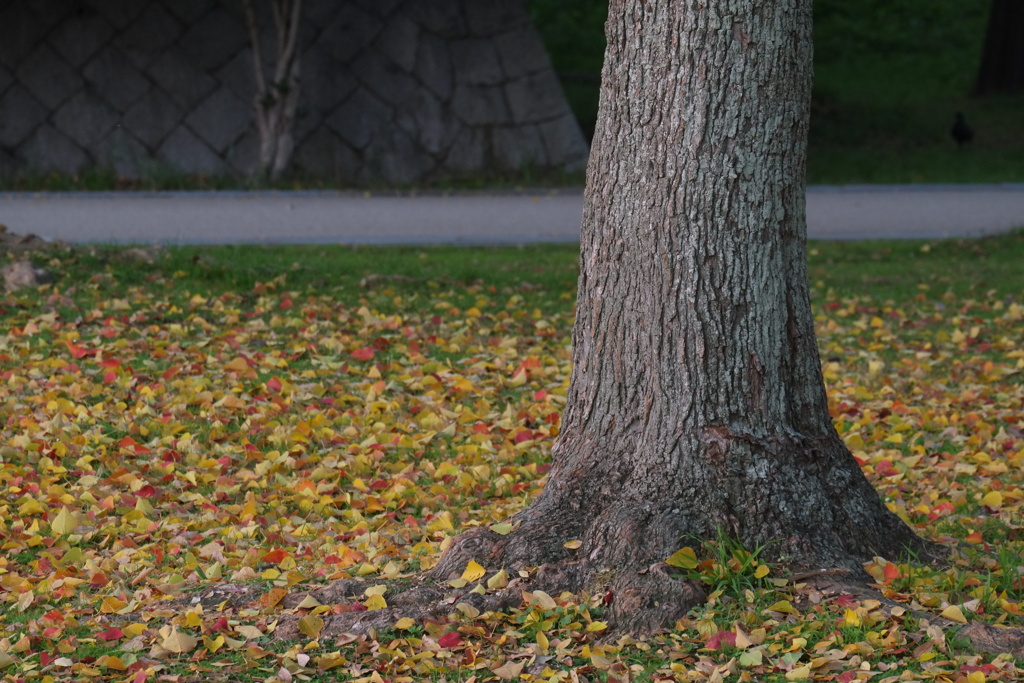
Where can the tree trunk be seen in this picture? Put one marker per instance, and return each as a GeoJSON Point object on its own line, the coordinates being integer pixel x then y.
{"type": "Point", "coordinates": [277, 98]}
{"type": "Point", "coordinates": [1002, 57]}
{"type": "Point", "coordinates": [696, 403]}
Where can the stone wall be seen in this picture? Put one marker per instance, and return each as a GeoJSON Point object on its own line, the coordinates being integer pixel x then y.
{"type": "Point", "coordinates": [393, 91]}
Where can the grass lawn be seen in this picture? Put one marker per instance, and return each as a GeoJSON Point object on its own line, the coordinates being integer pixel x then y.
{"type": "Point", "coordinates": [274, 419]}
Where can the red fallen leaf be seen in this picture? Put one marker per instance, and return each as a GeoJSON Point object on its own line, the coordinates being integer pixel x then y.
{"type": "Point", "coordinates": [109, 377]}
{"type": "Point", "coordinates": [365, 353]}
{"type": "Point", "coordinates": [450, 639]}
{"type": "Point", "coordinates": [379, 485]}
{"type": "Point", "coordinates": [170, 372]}
{"type": "Point", "coordinates": [846, 601]}
{"type": "Point", "coordinates": [523, 435]}
{"type": "Point", "coordinates": [98, 580]}
{"type": "Point", "coordinates": [78, 351]}
{"type": "Point", "coordinates": [721, 640]}
{"type": "Point", "coordinates": [113, 634]}
{"type": "Point", "coordinates": [146, 491]}
{"type": "Point", "coordinates": [891, 572]}
{"type": "Point", "coordinates": [110, 363]}
{"type": "Point", "coordinates": [129, 442]}
{"type": "Point", "coordinates": [847, 676]}
{"type": "Point", "coordinates": [220, 625]}
{"type": "Point", "coordinates": [274, 556]}
{"type": "Point", "coordinates": [974, 537]}
{"type": "Point", "coordinates": [274, 384]}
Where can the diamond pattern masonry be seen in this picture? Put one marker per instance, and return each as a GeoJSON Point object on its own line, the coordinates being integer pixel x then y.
{"type": "Point", "coordinates": [393, 91]}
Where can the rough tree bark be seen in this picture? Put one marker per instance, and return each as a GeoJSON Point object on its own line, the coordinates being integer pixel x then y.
{"type": "Point", "coordinates": [277, 97]}
{"type": "Point", "coordinates": [1002, 57]}
{"type": "Point", "coordinates": [696, 402]}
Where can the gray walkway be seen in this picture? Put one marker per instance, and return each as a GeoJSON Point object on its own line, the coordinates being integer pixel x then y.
{"type": "Point", "coordinates": [864, 212]}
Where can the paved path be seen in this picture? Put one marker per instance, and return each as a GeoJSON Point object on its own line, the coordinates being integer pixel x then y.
{"type": "Point", "coordinates": [862, 212]}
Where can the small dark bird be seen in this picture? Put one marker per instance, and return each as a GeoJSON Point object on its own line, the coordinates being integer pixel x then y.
{"type": "Point", "coordinates": [961, 132]}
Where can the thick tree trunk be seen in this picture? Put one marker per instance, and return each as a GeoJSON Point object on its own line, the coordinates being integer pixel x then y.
{"type": "Point", "coordinates": [1002, 57]}
{"type": "Point", "coordinates": [696, 402]}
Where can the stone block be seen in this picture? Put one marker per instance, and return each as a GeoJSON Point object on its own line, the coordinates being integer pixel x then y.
{"type": "Point", "coordinates": [118, 12]}
{"type": "Point", "coordinates": [325, 82]}
{"type": "Point", "coordinates": [115, 78]}
{"type": "Point", "coordinates": [484, 18]}
{"type": "Point", "coordinates": [183, 152]}
{"type": "Point", "coordinates": [536, 98]}
{"type": "Point", "coordinates": [350, 32]}
{"type": "Point", "coordinates": [319, 13]}
{"type": "Point", "coordinates": [566, 147]}
{"type": "Point", "coordinates": [521, 51]}
{"type": "Point", "coordinates": [398, 42]}
{"type": "Point", "coordinates": [149, 35]}
{"type": "Point", "coordinates": [17, 44]}
{"type": "Point", "coordinates": [393, 158]}
{"type": "Point", "coordinates": [324, 155]}
{"type": "Point", "coordinates": [6, 80]}
{"type": "Point", "coordinates": [382, 8]}
{"type": "Point", "coordinates": [153, 117]}
{"type": "Point", "coordinates": [86, 119]}
{"type": "Point", "coordinates": [429, 122]}
{"type": "Point", "coordinates": [480, 105]}
{"type": "Point", "coordinates": [220, 119]}
{"type": "Point", "coordinates": [243, 156]}
{"type": "Point", "coordinates": [468, 154]}
{"type": "Point", "coordinates": [519, 147]}
{"type": "Point", "coordinates": [20, 114]}
{"type": "Point", "coordinates": [434, 67]}
{"type": "Point", "coordinates": [475, 62]}
{"type": "Point", "coordinates": [443, 18]}
{"type": "Point", "coordinates": [384, 78]}
{"type": "Point", "coordinates": [238, 76]}
{"type": "Point", "coordinates": [48, 77]}
{"type": "Point", "coordinates": [191, 11]}
{"type": "Point", "coordinates": [80, 36]}
{"type": "Point", "coordinates": [50, 150]}
{"type": "Point", "coordinates": [210, 43]}
{"type": "Point", "coordinates": [180, 79]}
{"type": "Point", "coordinates": [358, 120]}
{"type": "Point", "coordinates": [123, 154]}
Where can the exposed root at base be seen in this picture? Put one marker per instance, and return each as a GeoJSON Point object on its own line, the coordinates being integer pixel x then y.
{"type": "Point", "coordinates": [639, 602]}
{"type": "Point", "coordinates": [984, 638]}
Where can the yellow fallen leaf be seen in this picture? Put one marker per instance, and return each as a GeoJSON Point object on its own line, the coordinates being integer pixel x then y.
{"type": "Point", "coordinates": [375, 602]}
{"type": "Point", "coordinates": [498, 580]}
{"type": "Point", "coordinates": [248, 631]}
{"type": "Point", "coordinates": [502, 529]}
{"type": "Point", "coordinates": [954, 613]}
{"type": "Point", "coordinates": [404, 624]}
{"type": "Point", "coordinates": [509, 670]}
{"type": "Point", "coordinates": [473, 572]}
{"type": "Point", "coordinates": [799, 673]}
{"type": "Point", "coordinates": [308, 602]}
{"type": "Point", "coordinates": [572, 545]}
{"type": "Point", "coordinates": [111, 605]}
{"type": "Point", "coordinates": [851, 618]}
{"type": "Point", "coordinates": [976, 677]}
{"type": "Point", "coordinates": [310, 626]}
{"type": "Point", "coordinates": [783, 606]}
{"type": "Point", "coordinates": [684, 558]}
{"type": "Point", "coordinates": [762, 571]}
{"type": "Point", "coordinates": [64, 523]}
{"type": "Point", "coordinates": [179, 642]}
{"type": "Point", "coordinates": [596, 626]}
{"type": "Point", "coordinates": [993, 499]}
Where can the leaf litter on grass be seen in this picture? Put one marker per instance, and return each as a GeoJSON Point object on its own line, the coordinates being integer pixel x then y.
{"type": "Point", "coordinates": [182, 467]}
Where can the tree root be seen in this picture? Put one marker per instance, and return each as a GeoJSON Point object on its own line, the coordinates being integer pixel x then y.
{"type": "Point", "coordinates": [984, 638]}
